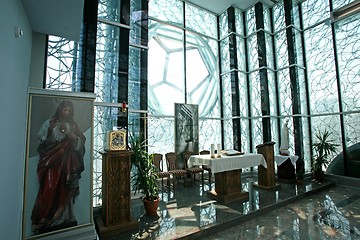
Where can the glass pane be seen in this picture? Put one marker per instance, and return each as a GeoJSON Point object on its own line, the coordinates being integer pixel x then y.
{"type": "Point", "coordinates": [200, 21]}
{"type": "Point", "coordinates": [298, 48]}
{"type": "Point", "coordinates": [284, 88]}
{"type": "Point", "coordinates": [61, 72]}
{"type": "Point", "coordinates": [314, 11]}
{"type": "Point", "coordinates": [267, 20]}
{"type": "Point", "coordinates": [228, 134]}
{"type": "Point", "coordinates": [225, 55]}
{"type": "Point", "coordinates": [352, 129]}
{"type": "Point", "coordinates": [135, 76]}
{"type": "Point", "coordinates": [253, 54]}
{"type": "Point", "coordinates": [161, 134]}
{"type": "Point", "coordinates": [202, 75]}
{"type": "Point", "coordinates": [282, 55]}
{"type": "Point", "coordinates": [241, 55]}
{"type": "Point", "coordinates": [109, 10]}
{"type": "Point", "coordinates": [209, 132]}
{"type": "Point", "coordinates": [165, 69]}
{"type": "Point", "coordinates": [272, 92]}
{"type": "Point", "coordinates": [139, 27]}
{"type": "Point", "coordinates": [170, 11]}
{"type": "Point", "coordinates": [279, 17]}
{"type": "Point", "coordinates": [269, 50]}
{"type": "Point", "coordinates": [114, 10]}
{"type": "Point", "coordinates": [244, 95]}
{"type": "Point", "coordinates": [257, 133]}
{"type": "Point", "coordinates": [340, 3]}
{"type": "Point", "coordinates": [245, 135]}
{"type": "Point", "coordinates": [321, 70]}
{"type": "Point", "coordinates": [348, 46]}
{"type": "Point", "coordinates": [227, 96]}
{"type": "Point", "coordinates": [223, 24]}
{"type": "Point", "coordinates": [250, 21]}
{"type": "Point", "coordinates": [239, 22]}
{"type": "Point", "coordinates": [104, 120]}
{"type": "Point", "coordinates": [255, 94]}
{"type": "Point", "coordinates": [352, 137]}
{"type": "Point", "coordinates": [107, 63]}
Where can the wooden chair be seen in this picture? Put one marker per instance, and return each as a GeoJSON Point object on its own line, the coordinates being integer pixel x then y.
{"type": "Point", "coordinates": [193, 170]}
{"type": "Point", "coordinates": [173, 169]}
{"type": "Point", "coordinates": [158, 162]}
{"type": "Point", "coordinates": [206, 167]}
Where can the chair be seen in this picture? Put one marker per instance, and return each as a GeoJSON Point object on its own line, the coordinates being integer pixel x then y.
{"type": "Point", "coordinates": [195, 169]}
{"type": "Point", "coordinates": [158, 158]}
{"type": "Point", "coordinates": [173, 169]}
{"type": "Point", "coordinates": [206, 167]}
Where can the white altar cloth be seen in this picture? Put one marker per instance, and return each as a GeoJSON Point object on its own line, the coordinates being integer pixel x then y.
{"type": "Point", "coordinates": [279, 159]}
{"type": "Point", "coordinates": [228, 163]}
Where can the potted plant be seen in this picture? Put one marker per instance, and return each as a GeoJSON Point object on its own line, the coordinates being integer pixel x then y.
{"type": "Point", "coordinates": [145, 178]}
{"type": "Point", "coordinates": [323, 148]}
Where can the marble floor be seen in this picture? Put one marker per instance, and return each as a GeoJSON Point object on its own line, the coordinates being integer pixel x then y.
{"type": "Point", "coordinates": [310, 210]}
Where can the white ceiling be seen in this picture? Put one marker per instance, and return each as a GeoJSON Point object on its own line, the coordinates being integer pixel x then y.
{"type": "Point", "coordinates": [55, 17]}
{"type": "Point", "coordinates": [219, 6]}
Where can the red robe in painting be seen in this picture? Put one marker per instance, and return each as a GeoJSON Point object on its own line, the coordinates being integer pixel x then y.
{"type": "Point", "coordinates": [59, 169]}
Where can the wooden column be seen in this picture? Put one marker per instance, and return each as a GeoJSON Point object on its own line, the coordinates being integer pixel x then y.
{"type": "Point", "coordinates": [116, 200]}
{"type": "Point", "coordinates": [266, 176]}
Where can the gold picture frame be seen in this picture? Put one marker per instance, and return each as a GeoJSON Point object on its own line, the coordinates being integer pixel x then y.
{"type": "Point", "coordinates": [116, 140]}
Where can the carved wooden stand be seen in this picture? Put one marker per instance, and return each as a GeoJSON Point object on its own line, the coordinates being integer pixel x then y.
{"type": "Point", "coordinates": [116, 200]}
{"type": "Point", "coordinates": [266, 176]}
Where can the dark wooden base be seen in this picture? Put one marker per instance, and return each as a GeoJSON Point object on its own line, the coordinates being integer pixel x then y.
{"type": "Point", "coordinates": [274, 187]}
{"type": "Point", "coordinates": [228, 187]}
{"type": "Point", "coordinates": [106, 231]}
{"type": "Point", "coordinates": [230, 197]}
{"type": "Point", "coordinates": [286, 171]}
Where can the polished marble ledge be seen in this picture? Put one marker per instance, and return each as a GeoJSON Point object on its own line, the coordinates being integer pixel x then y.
{"type": "Point", "coordinates": [187, 212]}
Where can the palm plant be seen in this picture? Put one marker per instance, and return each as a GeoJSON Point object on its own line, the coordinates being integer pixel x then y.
{"type": "Point", "coordinates": [324, 147]}
{"type": "Point", "coordinates": [146, 175]}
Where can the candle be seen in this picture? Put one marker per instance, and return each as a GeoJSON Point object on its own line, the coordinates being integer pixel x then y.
{"type": "Point", "coordinates": [219, 150]}
{"type": "Point", "coordinates": [212, 150]}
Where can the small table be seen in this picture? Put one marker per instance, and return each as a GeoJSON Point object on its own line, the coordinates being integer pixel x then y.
{"type": "Point", "coordinates": [286, 167]}
{"type": "Point", "coordinates": [227, 171]}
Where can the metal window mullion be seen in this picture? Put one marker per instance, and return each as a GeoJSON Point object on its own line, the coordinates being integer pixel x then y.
{"type": "Point", "coordinates": [294, 81]}
{"type": "Point", "coordinates": [234, 78]}
{"type": "Point", "coordinates": [220, 86]}
{"type": "Point", "coordinates": [337, 71]}
{"type": "Point", "coordinates": [264, 82]}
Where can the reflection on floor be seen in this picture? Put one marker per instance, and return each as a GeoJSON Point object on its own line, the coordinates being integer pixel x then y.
{"type": "Point", "coordinates": [308, 211]}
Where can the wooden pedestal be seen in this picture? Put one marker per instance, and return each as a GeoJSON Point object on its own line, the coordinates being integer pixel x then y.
{"type": "Point", "coordinates": [116, 199]}
{"type": "Point", "coordinates": [228, 187]}
{"type": "Point", "coordinates": [266, 176]}
{"type": "Point", "coordinates": [286, 171]}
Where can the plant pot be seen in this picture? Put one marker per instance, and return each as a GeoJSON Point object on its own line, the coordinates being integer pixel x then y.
{"type": "Point", "coordinates": [319, 176]}
{"type": "Point", "coordinates": [151, 206]}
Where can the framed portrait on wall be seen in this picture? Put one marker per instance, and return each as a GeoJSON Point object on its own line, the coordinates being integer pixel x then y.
{"type": "Point", "coordinates": [58, 172]}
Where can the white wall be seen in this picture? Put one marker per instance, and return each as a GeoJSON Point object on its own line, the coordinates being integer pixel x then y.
{"type": "Point", "coordinates": [15, 59]}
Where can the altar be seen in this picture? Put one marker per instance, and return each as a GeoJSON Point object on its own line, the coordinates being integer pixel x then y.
{"type": "Point", "coordinates": [227, 172]}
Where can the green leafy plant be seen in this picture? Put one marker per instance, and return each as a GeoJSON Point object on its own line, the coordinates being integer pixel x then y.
{"type": "Point", "coordinates": [146, 175]}
{"type": "Point", "coordinates": [324, 147]}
